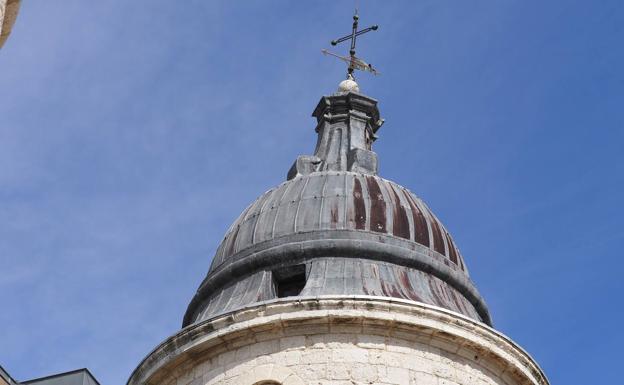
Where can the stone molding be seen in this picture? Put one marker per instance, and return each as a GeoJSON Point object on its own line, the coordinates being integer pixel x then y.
{"type": "Point", "coordinates": [402, 319]}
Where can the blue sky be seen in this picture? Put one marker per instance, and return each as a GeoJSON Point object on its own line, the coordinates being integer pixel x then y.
{"type": "Point", "coordinates": [132, 133]}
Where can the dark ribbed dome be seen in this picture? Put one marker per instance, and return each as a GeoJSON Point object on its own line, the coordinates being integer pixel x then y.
{"type": "Point", "coordinates": [339, 201]}
{"type": "Point", "coordinates": [336, 228]}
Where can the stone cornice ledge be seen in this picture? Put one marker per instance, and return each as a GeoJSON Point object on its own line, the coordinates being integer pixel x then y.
{"type": "Point", "coordinates": [403, 319]}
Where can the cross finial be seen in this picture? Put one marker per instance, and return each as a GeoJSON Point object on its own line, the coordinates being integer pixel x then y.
{"type": "Point", "coordinates": [353, 61]}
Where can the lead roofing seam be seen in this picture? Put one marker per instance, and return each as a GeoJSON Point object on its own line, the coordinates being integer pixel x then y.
{"type": "Point", "coordinates": [417, 218]}
{"type": "Point", "coordinates": [299, 204]}
{"type": "Point", "coordinates": [403, 203]}
{"type": "Point", "coordinates": [289, 185]}
{"type": "Point", "coordinates": [419, 204]}
{"type": "Point", "coordinates": [388, 205]}
{"type": "Point", "coordinates": [262, 215]}
{"type": "Point", "coordinates": [346, 201]}
{"type": "Point", "coordinates": [436, 224]}
{"type": "Point", "coordinates": [286, 190]}
{"type": "Point", "coordinates": [259, 202]}
{"type": "Point", "coordinates": [403, 209]}
{"type": "Point", "coordinates": [443, 233]}
{"type": "Point", "coordinates": [366, 198]}
{"type": "Point", "coordinates": [221, 253]}
{"type": "Point", "coordinates": [322, 198]}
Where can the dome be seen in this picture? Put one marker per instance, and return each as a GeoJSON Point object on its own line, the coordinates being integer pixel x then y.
{"type": "Point", "coordinates": [333, 201]}
{"type": "Point", "coordinates": [335, 228]}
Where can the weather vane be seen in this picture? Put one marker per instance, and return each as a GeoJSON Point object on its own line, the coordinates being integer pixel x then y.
{"type": "Point", "coordinates": [354, 62]}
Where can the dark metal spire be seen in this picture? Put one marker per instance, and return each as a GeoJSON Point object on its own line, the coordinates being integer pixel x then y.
{"type": "Point", "coordinates": [353, 61]}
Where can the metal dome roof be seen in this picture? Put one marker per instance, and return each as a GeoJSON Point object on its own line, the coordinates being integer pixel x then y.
{"type": "Point", "coordinates": [339, 201]}
{"type": "Point", "coordinates": [340, 228]}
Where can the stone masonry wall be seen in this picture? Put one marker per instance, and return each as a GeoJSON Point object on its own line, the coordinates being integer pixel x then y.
{"type": "Point", "coordinates": [340, 359]}
{"type": "Point", "coordinates": [335, 340]}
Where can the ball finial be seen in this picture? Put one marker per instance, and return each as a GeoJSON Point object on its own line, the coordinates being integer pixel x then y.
{"type": "Point", "coordinates": [348, 85]}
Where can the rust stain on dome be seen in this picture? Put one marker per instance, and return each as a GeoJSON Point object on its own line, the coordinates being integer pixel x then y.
{"type": "Point", "coordinates": [438, 242]}
{"type": "Point", "coordinates": [378, 206]}
{"type": "Point", "coordinates": [359, 206]}
{"type": "Point", "coordinates": [400, 224]}
{"type": "Point", "coordinates": [338, 200]}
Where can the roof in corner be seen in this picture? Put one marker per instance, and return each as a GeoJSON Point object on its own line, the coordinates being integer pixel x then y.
{"type": "Point", "coordinates": [75, 377]}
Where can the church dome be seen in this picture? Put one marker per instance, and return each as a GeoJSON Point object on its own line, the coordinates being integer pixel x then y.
{"type": "Point", "coordinates": [335, 228]}
{"type": "Point", "coordinates": [333, 201]}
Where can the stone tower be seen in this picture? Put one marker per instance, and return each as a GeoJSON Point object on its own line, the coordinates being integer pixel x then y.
{"type": "Point", "coordinates": [338, 276]}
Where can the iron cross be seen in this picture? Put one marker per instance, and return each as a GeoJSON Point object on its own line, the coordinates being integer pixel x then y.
{"type": "Point", "coordinates": [353, 61]}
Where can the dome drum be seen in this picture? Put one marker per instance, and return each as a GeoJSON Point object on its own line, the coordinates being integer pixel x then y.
{"type": "Point", "coordinates": [339, 275]}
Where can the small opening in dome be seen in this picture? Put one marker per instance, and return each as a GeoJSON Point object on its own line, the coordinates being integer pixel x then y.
{"type": "Point", "coordinates": [289, 281]}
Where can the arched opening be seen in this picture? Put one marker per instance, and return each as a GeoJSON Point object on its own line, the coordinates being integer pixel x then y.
{"type": "Point", "coordinates": [270, 374]}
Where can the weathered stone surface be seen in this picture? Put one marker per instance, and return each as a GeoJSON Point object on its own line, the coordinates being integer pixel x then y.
{"type": "Point", "coordinates": [346, 122]}
{"type": "Point", "coordinates": [8, 14]}
{"type": "Point", "coordinates": [415, 345]}
{"type": "Point", "coordinates": [304, 165]}
{"type": "Point", "coordinates": [362, 161]}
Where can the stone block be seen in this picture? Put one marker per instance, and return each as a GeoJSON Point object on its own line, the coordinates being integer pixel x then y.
{"type": "Point", "coordinates": [364, 373]}
{"type": "Point", "coordinates": [398, 376]}
{"type": "Point", "coordinates": [362, 161]}
{"type": "Point", "coordinates": [421, 378]}
{"type": "Point", "coordinates": [294, 342]}
{"type": "Point", "coordinates": [304, 165]}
